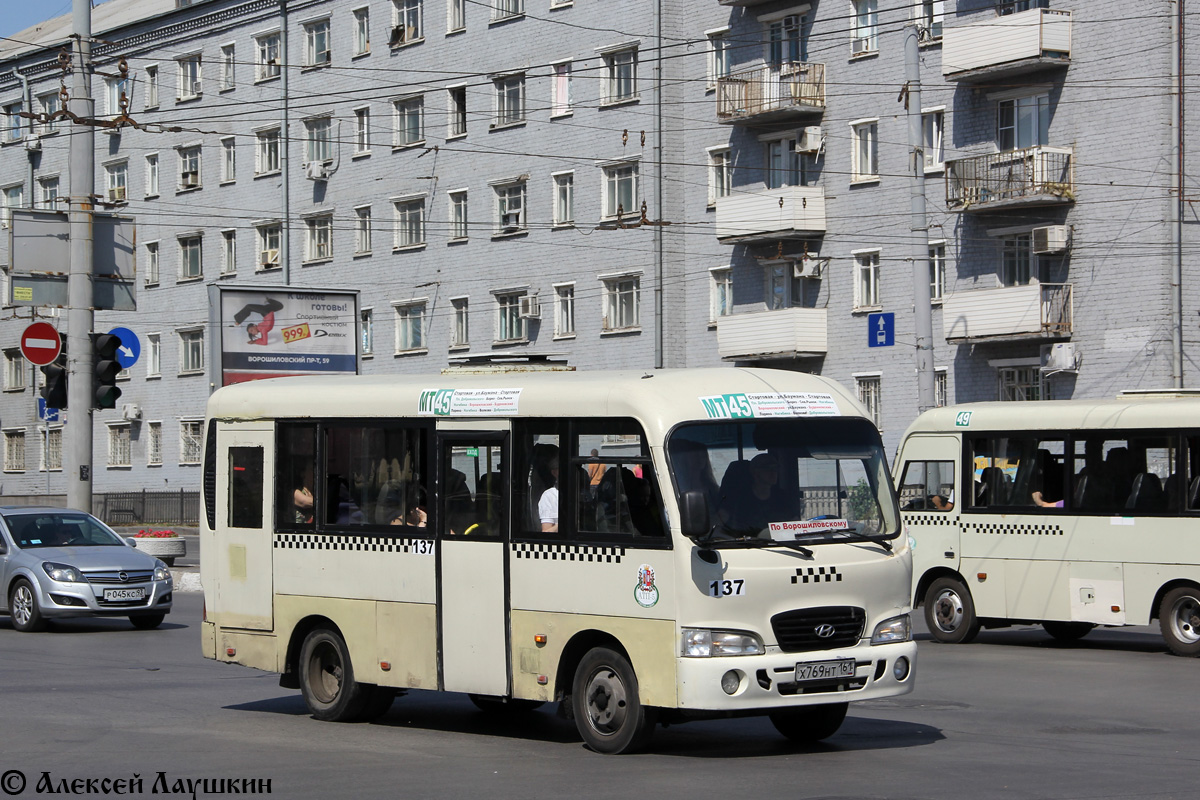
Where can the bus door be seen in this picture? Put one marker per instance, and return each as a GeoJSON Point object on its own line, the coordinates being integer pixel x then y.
{"type": "Point", "coordinates": [244, 532]}
{"type": "Point", "coordinates": [472, 576]}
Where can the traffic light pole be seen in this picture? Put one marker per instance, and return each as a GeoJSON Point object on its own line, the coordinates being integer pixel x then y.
{"type": "Point", "coordinates": [82, 169]}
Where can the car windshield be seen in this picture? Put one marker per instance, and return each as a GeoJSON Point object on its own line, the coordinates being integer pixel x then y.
{"type": "Point", "coordinates": [50, 529]}
{"type": "Point", "coordinates": [787, 481]}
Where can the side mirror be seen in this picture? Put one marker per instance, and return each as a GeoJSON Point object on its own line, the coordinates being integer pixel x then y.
{"type": "Point", "coordinates": [693, 515]}
{"type": "Point", "coordinates": [132, 542]}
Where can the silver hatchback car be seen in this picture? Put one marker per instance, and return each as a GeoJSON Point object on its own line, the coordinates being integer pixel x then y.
{"type": "Point", "coordinates": [57, 563]}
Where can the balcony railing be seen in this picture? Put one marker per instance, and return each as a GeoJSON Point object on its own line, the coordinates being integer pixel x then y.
{"type": "Point", "coordinates": [771, 92]}
{"type": "Point", "coordinates": [784, 333]}
{"type": "Point", "coordinates": [1007, 45]}
{"type": "Point", "coordinates": [786, 213]}
{"type": "Point", "coordinates": [1033, 176]}
{"type": "Point", "coordinates": [1034, 311]}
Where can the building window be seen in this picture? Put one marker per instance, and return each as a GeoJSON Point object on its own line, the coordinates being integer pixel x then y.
{"type": "Point", "coordinates": [564, 198]}
{"type": "Point", "coordinates": [316, 43]}
{"type": "Point", "coordinates": [1020, 383]}
{"type": "Point", "coordinates": [937, 271]}
{"type": "Point", "coordinates": [622, 303]}
{"type": "Point", "coordinates": [151, 87]}
{"type": "Point", "coordinates": [1016, 260]}
{"type": "Point", "coordinates": [13, 122]}
{"type": "Point", "coordinates": [930, 14]}
{"type": "Point", "coordinates": [10, 197]}
{"type": "Point", "coordinates": [116, 90]}
{"type": "Point", "coordinates": [191, 441]}
{"type": "Point", "coordinates": [510, 208]}
{"type": "Point", "coordinates": [14, 451]}
{"type": "Point", "coordinates": [457, 20]}
{"type": "Point", "coordinates": [510, 326]}
{"type": "Point", "coordinates": [191, 351]}
{"type": "Point", "coordinates": [718, 56]}
{"type": "Point", "coordinates": [228, 161]}
{"type": "Point", "coordinates": [505, 9]}
{"type": "Point", "coordinates": [510, 100]}
{"type": "Point", "coordinates": [228, 252]}
{"type": "Point", "coordinates": [721, 294]}
{"type": "Point", "coordinates": [932, 126]}
{"type": "Point", "coordinates": [1023, 122]}
{"type": "Point", "coordinates": [866, 280]}
{"type": "Point", "coordinates": [941, 388]}
{"type": "Point", "coordinates": [318, 139]}
{"type": "Point", "coordinates": [14, 370]}
{"type": "Point", "coordinates": [409, 123]}
{"type": "Point", "coordinates": [620, 190]}
{"type": "Point", "coordinates": [362, 31]}
{"type": "Point", "coordinates": [116, 179]}
{"type": "Point", "coordinates": [49, 104]}
{"type": "Point", "coordinates": [267, 63]}
{"type": "Point", "coordinates": [154, 445]}
{"type": "Point", "coordinates": [269, 240]}
{"type": "Point", "coordinates": [621, 76]}
{"type": "Point", "coordinates": [52, 450]}
{"type": "Point", "coordinates": [362, 131]}
{"type": "Point", "coordinates": [870, 394]}
{"type": "Point", "coordinates": [152, 175]}
{"type": "Point", "coordinates": [152, 264]}
{"type": "Point", "coordinates": [561, 100]}
{"type": "Point", "coordinates": [49, 193]}
{"type": "Point", "coordinates": [362, 230]}
{"type": "Point", "coordinates": [785, 41]}
{"type": "Point", "coordinates": [118, 445]}
{"type": "Point", "coordinates": [458, 110]}
{"type": "Point", "coordinates": [367, 331]}
{"type": "Point", "coordinates": [784, 290]}
{"type": "Point", "coordinates": [458, 215]}
{"type": "Point", "coordinates": [785, 167]}
{"type": "Point", "coordinates": [318, 243]}
{"type": "Point", "coordinates": [462, 323]}
{"type": "Point", "coordinates": [190, 258]}
{"type": "Point", "coordinates": [189, 168]}
{"type": "Point", "coordinates": [189, 78]}
{"type": "Point", "coordinates": [865, 136]}
{"type": "Point", "coordinates": [407, 24]}
{"type": "Point", "coordinates": [564, 310]}
{"type": "Point", "coordinates": [410, 327]}
{"type": "Point", "coordinates": [227, 62]}
{"type": "Point", "coordinates": [266, 154]}
{"type": "Point", "coordinates": [410, 224]}
{"type": "Point", "coordinates": [866, 24]}
{"type": "Point", "coordinates": [153, 355]}
{"type": "Point", "coordinates": [720, 173]}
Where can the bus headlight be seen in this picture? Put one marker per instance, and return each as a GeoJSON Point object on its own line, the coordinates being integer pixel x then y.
{"type": "Point", "coordinates": [896, 629]}
{"type": "Point", "coordinates": [703, 643]}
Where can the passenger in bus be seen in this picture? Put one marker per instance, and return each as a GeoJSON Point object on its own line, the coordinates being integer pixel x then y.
{"type": "Point", "coordinates": [1038, 500]}
{"type": "Point", "coordinates": [460, 506]}
{"type": "Point", "coordinates": [595, 471]}
{"type": "Point", "coordinates": [642, 511]}
{"type": "Point", "coordinates": [417, 516]}
{"type": "Point", "coordinates": [548, 502]}
{"type": "Point", "coordinates": [750, 509]}
{"type": "Point", "coordinates": [941, 502]}
{"type": "Point", "coordinates": [303, 502]}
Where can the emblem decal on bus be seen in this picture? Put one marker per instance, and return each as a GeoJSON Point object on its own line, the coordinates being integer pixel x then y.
{"type": "Point", "coordinates": [646, 593]}
{"type": "Point", "coordinates": [962, 419]}
{"type": "Point", "coordinates": [749, 405]}
{"type": "Point", "coordinates": [468, 402]}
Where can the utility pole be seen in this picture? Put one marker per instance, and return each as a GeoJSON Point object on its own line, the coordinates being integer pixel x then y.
{"type": "Point", "coordinates": [918, 227]}
{"type": "Point", "coordinates": [82, 171]}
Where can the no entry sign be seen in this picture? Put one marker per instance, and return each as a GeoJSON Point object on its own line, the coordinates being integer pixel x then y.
{"type": "Point", "coordinates": [40, 344]}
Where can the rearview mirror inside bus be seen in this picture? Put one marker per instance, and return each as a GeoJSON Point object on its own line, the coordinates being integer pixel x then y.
{"type": "Point", "coordinates": [693, 515]}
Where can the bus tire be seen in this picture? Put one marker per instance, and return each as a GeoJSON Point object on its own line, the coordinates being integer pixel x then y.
{"type": "Point", "coordinates": [1179, 620]}
{"type": "Point", "coordinates": [1068, 631]}
{"type": "Point", "coordinates": [379, 701]}
{"type": "Point", "coordinates": [608, 709]}
{"type": "Point", "coordinates": [327, 678]}
{"type": "Point", "coordinates": [950, 612]}
{"type": "Point", "coordinates": [502, 706]}
{"type": "Point", "coordinates": [811, 723]}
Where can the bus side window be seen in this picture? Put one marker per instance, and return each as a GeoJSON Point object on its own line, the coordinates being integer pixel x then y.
{"type": "Point", "coordinates": [538, 459]}
{"type": "Point", "coordinates": [376, 474]}
{"type": "Point", "coordinates": [295, 471]}
{"type": "Point", "coordinates": [245, 487]}
{"type": "Point", "coordinates": [614, 485]}
{"type": "Point", "coordinates": [927, 486]}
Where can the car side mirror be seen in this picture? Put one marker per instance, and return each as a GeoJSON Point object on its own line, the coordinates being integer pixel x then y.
{"type": "Point", "coordinates": [693, 515]}
{"type": "Point", "coordinates": [132, 542]}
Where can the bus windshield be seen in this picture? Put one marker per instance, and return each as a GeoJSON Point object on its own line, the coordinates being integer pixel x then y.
{"type": "Point", "coordinates": [786, 481]}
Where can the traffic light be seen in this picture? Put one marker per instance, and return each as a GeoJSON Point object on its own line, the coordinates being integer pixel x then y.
{"type": "Point", "coordinates": [54, 383]}
{"type": "Point", "coordinates": [104, 350]}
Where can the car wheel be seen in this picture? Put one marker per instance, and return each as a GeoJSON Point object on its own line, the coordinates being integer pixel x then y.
{"type": "Point", "coordinates": [950, 612]}
{"type": "Point", "coordinates": [810, 724]}
{"type": "Point", "coordinates": [23, 607]}
{"type": "Point", "coordinates": [327, 678]}
{"type": "Point", "coordinates": [1068, 631]}
{"type": "Point", "coordinates": [1179, 620]}
{"type": "Point", "coordinates": [502, 706]}
{"type": "Point", "coordinates": [146, 622]}
{"type": "Point", "coordinates": [608, 709]}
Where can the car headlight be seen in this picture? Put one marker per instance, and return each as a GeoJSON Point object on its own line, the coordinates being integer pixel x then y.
{"type": "Point", "coordinates": [896, 629]}
{"type": "Point", "coordinates": [161, 571]}
{"type": "Point", "coordinates": [703, 643]}
{"type": "Point", "coordinates": [63, 573]}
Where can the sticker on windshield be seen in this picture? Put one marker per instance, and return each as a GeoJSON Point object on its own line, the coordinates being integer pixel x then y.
{"type": "Point", "coordinates": [468, 402]}
{"type": "Point", "coordinates": [750, 405]}
{"type": "Point", "coordinates": [799, 529]}
{"type": "Point", "coordinates": [646, 593]}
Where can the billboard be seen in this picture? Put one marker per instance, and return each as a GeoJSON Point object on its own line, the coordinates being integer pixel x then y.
{"type": "Point", "coordinates": [270, 332]}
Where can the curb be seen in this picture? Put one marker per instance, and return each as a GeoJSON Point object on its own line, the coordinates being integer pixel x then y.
{"type": "Point", "coordinates": [186, 581]}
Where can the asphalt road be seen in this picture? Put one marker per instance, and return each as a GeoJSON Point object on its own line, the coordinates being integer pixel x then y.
{"type": "Point", "coordinates": [1013, 715]}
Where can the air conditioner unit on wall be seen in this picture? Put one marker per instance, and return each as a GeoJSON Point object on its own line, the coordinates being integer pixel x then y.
{"type": "Point", "coordinates": [316, 171]}
{"type": "Point", "coordinates": [1060, 357]}
{"type": "Point", "coordinates": [1051, 239]}
{"type": "Point", "coordinates": [33, 144]}
{"type": "Point", "coordinates": [810, 140]}
{"type": "Point", "coordinates": [131, 411]}
{"type": "Point", "coordinates": [529, 307]}
{"type": "Point", "coordinates": [806, 268]}
{"type": "Point", "coordinates": [270, 257]}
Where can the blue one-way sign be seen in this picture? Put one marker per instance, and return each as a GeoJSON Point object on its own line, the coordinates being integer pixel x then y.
{"type": "Point", "coordinates": [881, 329]}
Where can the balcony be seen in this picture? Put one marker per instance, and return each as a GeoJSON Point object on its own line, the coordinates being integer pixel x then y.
{"type": "Point", "coordinates": [1003, 46]}
{"type": "Point", "coordinates": [1035, 176]}
{"type": "Point", "coordinates": [742, 2]}
{"type": "Point", "coordinates": [771, 93]}
{"type": "Point", "coordinates": [790, 212]}
{"type": "Point", "coordinates": [785, 333]}
{"type": "Point", "coordinates": [1034, 311]}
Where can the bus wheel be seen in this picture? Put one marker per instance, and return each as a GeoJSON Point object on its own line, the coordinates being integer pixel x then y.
{"type": "Point", "coordinates": [327, 678]}
{"type": "Point", "coordinates": [1068, 631]}
{"type": "Point", "coordinates": [1179, 619]}
{"type": "Point", "coordinates": [504, 706]}
{"type": "Point", "coordinates": [810, 724]}
{"type": "Point", "coordinates": [608, 711]}
{"type": "Point", "coordinates": [379, 700]}
{"type": "Point", "coordinates": [950, 613]}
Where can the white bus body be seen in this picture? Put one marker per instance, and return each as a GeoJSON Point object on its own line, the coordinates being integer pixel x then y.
{"type": "Point", "coordinates": [315, 564]}
{"type": "Point", "coordinates": [1070, 514]}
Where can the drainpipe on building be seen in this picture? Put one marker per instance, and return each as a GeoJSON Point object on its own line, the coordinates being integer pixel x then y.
{"type": "Point", "coordinates": [285, 232]}
{"type": "Point", "coordinates": [918, 227]}
{"type": "Point", "coordinates": [659, 357]}
{"type": "Point", "coordinates": [1178, 207]}
{"type": "Point", "coordinates": [27, 92]}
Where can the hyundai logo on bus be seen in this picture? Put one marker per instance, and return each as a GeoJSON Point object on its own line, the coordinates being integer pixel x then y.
{"type": "Point", "coordinates": [825, 631]}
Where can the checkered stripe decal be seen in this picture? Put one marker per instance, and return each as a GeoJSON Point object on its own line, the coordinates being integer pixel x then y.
{"type": "Point", "coordinates": [568, 552]}
{"type": "Point", "coordinates": [816, 575]}
{"type": "Point", "coordinates": [928, 519]}
{"type": "Point", "coordinates": [334, 541]}
{"type": "Point", "coordinates": [1020, 530]}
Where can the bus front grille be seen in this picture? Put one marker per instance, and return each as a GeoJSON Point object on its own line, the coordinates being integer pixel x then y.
{"type": "Point", "coordinates": [822, 628]}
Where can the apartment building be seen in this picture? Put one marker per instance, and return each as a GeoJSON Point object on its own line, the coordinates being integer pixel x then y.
{"type": "Point", "coordinates": [679, 183]}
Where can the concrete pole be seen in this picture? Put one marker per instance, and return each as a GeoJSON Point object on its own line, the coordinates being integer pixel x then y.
{"type": "Point", "coordinates": [285, 227]}
{"type": "Point", "coordinates": [82, 171]}
{"type": "Point", "coordinates": [919, 228]}
{"type": "Point", "coordinates": [1178, 206]}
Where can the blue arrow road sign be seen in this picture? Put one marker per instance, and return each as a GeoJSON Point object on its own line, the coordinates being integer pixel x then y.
{"type": "Point", "coordinates": [881, 330]}
{"type": "Point", "coordinates": [130, 349]}
{"type": "Point", "coordinates": [46, 414]}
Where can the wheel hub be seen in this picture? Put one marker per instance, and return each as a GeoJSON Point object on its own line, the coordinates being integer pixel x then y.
{"type": "Point", "coordinates": [606, 702]}
{"type": "Point", "coordinates": [1186, 619]}
{"type": "Point", "coordinates": [22, 610]}
{"type": "Point", "coordinates": [947, 611]}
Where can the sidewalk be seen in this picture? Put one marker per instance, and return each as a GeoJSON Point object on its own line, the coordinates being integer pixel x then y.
{"type": "Point", "coordinates": [186, 570]}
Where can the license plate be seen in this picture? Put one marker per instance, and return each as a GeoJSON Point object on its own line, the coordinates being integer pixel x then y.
{"type": "Point", "coordinates": [124, 594]}
{"type": "Point", "coordinates": [824, 670]}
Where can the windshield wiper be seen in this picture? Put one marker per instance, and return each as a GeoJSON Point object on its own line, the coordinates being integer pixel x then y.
{"type": "Point", "coordinates": [832, 537]}
{"type": "Point", "coordinates": [745, 544]}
